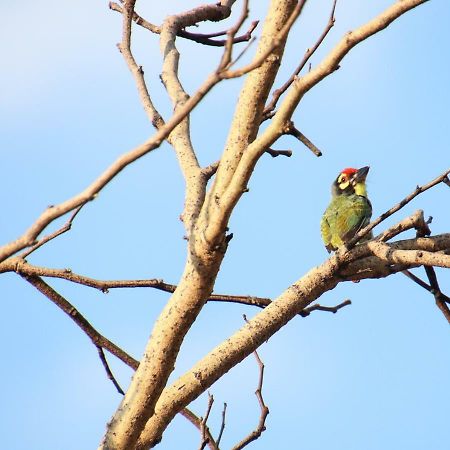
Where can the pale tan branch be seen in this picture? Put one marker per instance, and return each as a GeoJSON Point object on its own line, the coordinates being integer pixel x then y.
{"type": "Point", "coordinates": [97, 339]}
{"type": "Point", "coordinates": [244, 162]}
{"type": "Point", "coordinates": [137, 71]}
{"type": "Point", "coordinates": [247, 118]}
{"type": "Point", "coordinates": [50, 214]}
{"type": "Point", "coordinates": [354, 264]}
{"type": "Point", "coordinates": [237, 347]}
{"type": "Point", "coordinates": [209, 171]}
{"type": "Point", "coordinates": [416, 221]}
{"type": "Point", "coordinates": [231, 34]}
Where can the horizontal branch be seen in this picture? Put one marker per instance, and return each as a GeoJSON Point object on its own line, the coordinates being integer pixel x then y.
{"type": "Point", "coordinates": [26, 269]}
{"type": "Point", "coordinates": [205, 39]}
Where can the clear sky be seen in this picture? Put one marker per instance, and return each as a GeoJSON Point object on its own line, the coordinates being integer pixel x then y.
{"type": "Point", "coordinates": [373, 376]}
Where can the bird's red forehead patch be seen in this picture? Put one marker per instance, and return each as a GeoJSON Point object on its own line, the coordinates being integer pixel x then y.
{"type": "Point", "coordinates": [349, 171]}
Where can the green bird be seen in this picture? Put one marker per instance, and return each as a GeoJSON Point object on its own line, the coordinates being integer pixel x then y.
{"type": "Point", "coordinates": [349, 210]}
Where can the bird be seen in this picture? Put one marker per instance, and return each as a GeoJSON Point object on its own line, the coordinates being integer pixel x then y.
{"type": "Point", "coordinates": [349, 211]}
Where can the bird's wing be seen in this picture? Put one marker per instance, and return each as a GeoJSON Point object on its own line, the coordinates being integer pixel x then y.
{"type": "Point", "coordinates": [326, 233]}
{"type": "Point", "coordinates": [357, 217]}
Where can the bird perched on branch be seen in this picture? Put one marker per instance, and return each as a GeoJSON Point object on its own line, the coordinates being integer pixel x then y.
{"type": "Point", "coordinates": [349, 210]}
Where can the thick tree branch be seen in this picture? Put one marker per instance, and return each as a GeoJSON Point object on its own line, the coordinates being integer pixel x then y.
{"type": "Point", "coordinates": [98, 340]}
{"type": "Point", "coordinates": [248, 112]}
{"type": "Point", "coordinates": [229, 187]}
{"type": "Point", "coordinates": [354, 264]}
{"type": "Point", "coordinates": [50, 214]}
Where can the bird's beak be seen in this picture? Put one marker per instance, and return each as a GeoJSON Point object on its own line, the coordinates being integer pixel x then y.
{"type": "Point", "coordinates": [362, 174]}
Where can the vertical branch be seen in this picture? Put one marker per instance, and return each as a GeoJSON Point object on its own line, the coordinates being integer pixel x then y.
{"type": "Point", "coordinates": [137, 72]}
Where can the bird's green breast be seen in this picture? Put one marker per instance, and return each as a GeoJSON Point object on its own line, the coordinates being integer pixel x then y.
{"type": "Point", "coordinates": [343, 218]}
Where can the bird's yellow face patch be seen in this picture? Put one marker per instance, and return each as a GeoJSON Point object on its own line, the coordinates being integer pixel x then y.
{"type": "Point", "coordinates": [349, 179]}
{"type": "Point", "coordinates": [343, 181]}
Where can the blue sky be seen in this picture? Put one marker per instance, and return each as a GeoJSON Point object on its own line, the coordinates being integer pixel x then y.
{"type": "Point", "coordinates": [368, 377]}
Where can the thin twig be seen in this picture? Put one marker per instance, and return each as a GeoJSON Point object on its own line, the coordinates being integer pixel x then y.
{"type": "Point", "coordinates": [309, 52]}
{"type": "Point", "coordinates": [274, 153]}
{"type": "Point", "coordinates": [422, 283]}
{"type": "Point", "coordinates": [438, 296]}
{"type": "Point", "coordinates": [210, 170]}
{"type": "Point", "coordinates": [226, 62]}
{"type": "Point", "coordinates": [276, 42]}
{"type": "Point", "coordinates": [97, 339]}
{"type": "Point", "coordinates": [261, 427]}
{"type": "Point", "coordinates": [66, 227]}
{"type": "Point", "coordinates": [332, 309]}
{"type": "Point", "coordinates": [204, 430]}
{"type": "Point", "coordinates": [222, 426]}
{"type": "Point", "coordinates": [110, 375]}
{"type": "Point", "coordinates": [293, 131]}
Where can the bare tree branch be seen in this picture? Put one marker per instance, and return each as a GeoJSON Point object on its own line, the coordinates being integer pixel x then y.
{"type": "Point", "coordinates": [222, 426]}
{"type": "Point", "coordinates": [98, 340]}
{"type": "Point", "coordinates": [205, 39]}
{"type": "Point", "coordinates": [50, 214]}
{"type": "Point", "coordinates": [204, 430]}
{"type": "Point", "coordinates": [291, 130]}
{"type": "Point", "coordinates": [66, 227]}
{"type": "Point", "coordinates": [290, 303]}
{"type": "Point", "coordinates": [309, 52]}
{"type": "Point", "coordinates": [229, 186]}
{"type": "Point", "coordinates": [261, 427]}
{"type": "Point", "coordinates": [274, 153]}
{"type": "Point", "coordinates": [110, 375]}
{"type": "Point", "coordinates": [332, 309]}
{"type": "Point", "coordinates": [419, 189]}
{"type": "Point", "coordinates": [426, 286]}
